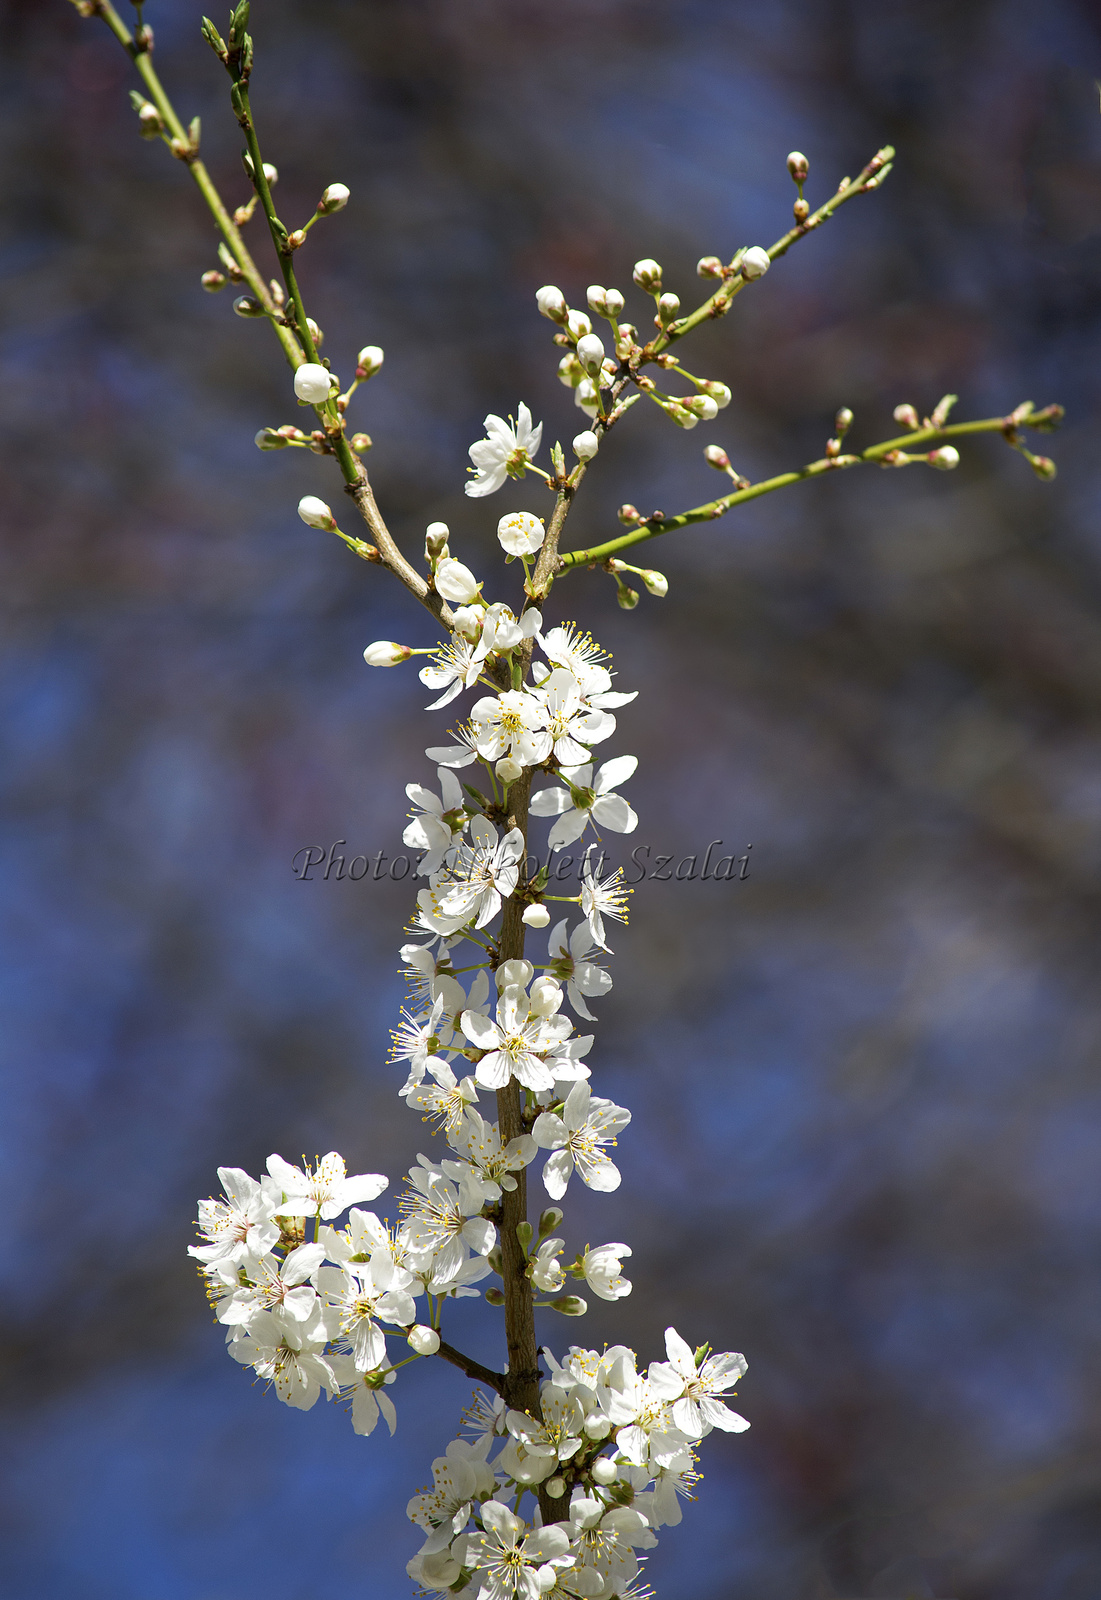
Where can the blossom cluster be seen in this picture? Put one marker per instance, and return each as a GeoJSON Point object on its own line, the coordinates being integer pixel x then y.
{"type": "Point", "coordinates": [313, 1307]}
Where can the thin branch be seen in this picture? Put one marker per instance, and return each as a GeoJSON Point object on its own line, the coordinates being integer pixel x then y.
{"type": "Point", "coordinates": [473, 1369]}
{"type": "Point", "coordinates": [876, 453]}
{"type": "Point", "coordinates": [719, 303]}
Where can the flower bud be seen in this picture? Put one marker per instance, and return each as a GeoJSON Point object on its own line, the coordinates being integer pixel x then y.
{"type": "Point", "coordinates": [570, 1305]}
{"type": "Point", "coordinates": [385, 653]}
{"type": "Point", "coordinates": [705, 406]}
{"type": "Point", "coordinates": [595, 294]}
{"type": "Point", "coordinates": [556, 1488]}
{"type": "Point", "coordinates": [613, 302]}
{"type": "Point", "coordinates": [315, 513]}
{"type": "Point", "coordinates": [907, 416]}
{"type": "Point", "coordinates": [508, 770]}
{"type": "Point", "coordinates": [454, 581]}
{"type": "Point", "coordinates": [604, 1470]}
{"type": "Point", "coordinates": [945, 458]}
{"type": "Point", "coordinates": [361, 443]}
{"type": "Point", "coordinates": [315, 332]}
{"type": "Point", "coordinates": [536, 916]}
{"type": "Point", "coordinates": [1043, 466]}
{"type": "Point", "coordinates": [297, 239]}
{"type": "Point", "coordinates": [425, 1341]}
{"type": "Point", "coordinates": [570, 371]}
{"type": "Point", "coordinates": [514, 972]}
{"type": "Point", "coordinates": [656, 583]}
{"type": "Point", "coordinates": [596, 1425]}
{"type": "Point", "coordinates": [628, 598]}
{"type": "Point", "coordinates": [150, 125]}
{"type": "Point", "coordinates": [213, 281]}
{"type": "Point", "coordinates": [579, 324]}
{"type": "Point", "coordinates": [552, 303]}
{"type": "Point", "coordinates": [716, 457]}
{"type": "Point", "coordinates": [628, 514]}
{"type": "Point", "coordinates": [436, 536]}
{"type": "Point", "coordinates": [800, 211]}
{"type": "Point", "coordinates": [312, 382]}
{"type": "Point", "coordinates": [842, 422]}
{"type": "Point", "coordinates": [647, 274]}
{"type": "Point", "coordinates": [369, 360]}
{"type": "Point", "coordinates": [271, 173]}
{"type": "Point", "coordinates": [718, 392]}
{"type": "Point", "coordinates": [668, 306]}
{"type": "Point", "coordinates": [755, 262]}
{"type": "Point", "coordinates": [494, 1297]}
{"type": "Point", "coordinates": [798, 166]}
{"type": "Point", "coordinates": [709, 267]}
{"type": "Point", "coordinates": [269, 439]}
{"type": "Point", "coordinates": [468, 621]}
{"type": "Point", "coordinates": [590, 353]}
{"type": "Point", "coordinates": [246, 305]}
{"type": "Point", "coordinates": [585, 445]}
{"type": "Point", "coordinates": [335, 198]}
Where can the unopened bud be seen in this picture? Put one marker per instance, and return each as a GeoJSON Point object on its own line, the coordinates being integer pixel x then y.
{"type": "Point", "coordinates": [214, 280]}
{"type": "Point", "coordinates": [755, 262]}
{"type": "Point", "coordinates": [579, 324]}
{"type": "Point", "coordinates": [385, 653]}
{"type": "Point", "coordinates": [628, 598]}
{"type": "Point", "coordinates": [556, 1488]}
{"type": "Point", "coordinates": [311, 382]}
{"type": "Point", "coordinates": [570, 371]}
{"type": "Point", "coordinates": [425, 1341]}
{"type": "Point", "coordinates": [570, 1305]}
{"type": "Point", "coordinates": [315, 513]}
{"type": "Point", "coordinates": [296, 240]}
{"type": "Point", "coordinates": [551, 303]}
{"type": "Point", "coordinates": [704, 406]}
{"type": "Point", "coordinates": [647, 274]}
{"type": "Point", "coordinates": [628, 514]}
{"type": "Point", "coordinates": [361, 443]}
{"type": "Point", "coordinates": [1043, 466]}
{"type": "Point", "coordinates": [585, 445]}
{"type": "Point", "coordinates": [907, 416]}
{"type": "Point", "coordinates": [246, 305]}
{"type": "Point", "coordinates": [716, 457]}
{"type": "Point", "coordinates": [494, 1297]}
{"type": "Point", "coordinates": [668, 306]}
{"type": "Point", "coordinates": [369, 360]}
{"type": "Point", "coordinates": [315, 332]}
{"type": "Point", "coordinates": [798, 166]}
{"type": "Point", "coordinates": [718, 392]}
{"type": "Point", "coordinates": [271, 173]}
{"type": "Point", "coordinates": [590, 353]}
{"type": "Point", "coordinates": [508, 770]}
{"type": "Point", "coordinates": [335, 198]}
{"type": "Point", "coordinates": [613, 302]}
{"type": "Point", "coordinates": [536, 916]}
{"type": "Point", "coordinates": [455, 582]}
{"type": "Point", "coordinates": [435, 540]}
{"type": "Point", "coordinates": [597, 1425]}
{"type": "Point", "coordinates": [656, 583]}
{"type": "Point", "coordinates": [516, 971]}
{"type": "Point", "coordinates": [604, 1470]}
{"type": "Point", "coordinates": [842, 422]}
{"type": "Point", "coordinates": [150, 125]}
{"type": "Point", "coordinates": [595, 294]}
{"type": "Point", "coordinates": [709, 267]}
{"type": "Point", "coordinates": [800, 211]}
{"type": "Point", "coordinates": [270, 439]}
{"type": "Point", "coordinates": [945, 458]}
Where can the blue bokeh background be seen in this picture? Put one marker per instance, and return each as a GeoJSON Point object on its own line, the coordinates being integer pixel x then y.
{"type": "Point", "coordinates": [865, 1085]}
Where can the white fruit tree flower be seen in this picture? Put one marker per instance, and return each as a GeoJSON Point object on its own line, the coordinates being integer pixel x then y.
{"type": "Point", "coordinates": [575, 1462]}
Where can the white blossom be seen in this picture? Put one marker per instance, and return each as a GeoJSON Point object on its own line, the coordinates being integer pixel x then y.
{"type": "Point", "coordinates": [438, 821]}
{"type": "Point", "coordinates": [447, 1099]}
{"type": "Point", "coordinates": [504, 451]}
{"type": "Point", "coordinates": [289, 1356]}
{"type": "Point", "coordinates": [603, 1271]}
{"type": "Point", "coordinates": [584, 979]}
{"type": "Point", "coordinates": [577, 1137]}
{"type": "Point", "coordinates": [692, 1392]}
{"type": "Point", "coordinates": [600, 898]}
{"type": "Point", "coordinates": [557, 1434]}
{"type": "Point", "coordinates": [363, 1294]}
{"type": "Point", "coordinates": [508, 1557]}
{"type": "Point", "coordinates": [369, 1402]}
{"type": "Point", "coordinates": [278, 1287]}
{"type": "Point", "coordinates": [443, 1218]}
{"type": "Point", "coordinates": [520, 534]}
{"type": "Point", "coordinates": [510, 724]}
{"type": "Point", "coordinates": [587, 798]}
{"type": "Point", "coordinates": [516, 1043]}
{"type": "Point", "coordinates": [484, 872]}
{"type": "Point", "coordinates": [454, 581]}
{"type": "Point", "coordinates": [241, 1228]}
{"type": "Point", "coordinates": [324, 1190]}
{"type": "Point", "coordinates": [459, 1477]}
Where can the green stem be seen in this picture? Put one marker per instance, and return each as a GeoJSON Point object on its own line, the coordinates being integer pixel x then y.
{"type": "Point", "coordinates": [226, 225]}
{"type": "Point", "coordinates": [719, 303]}
{"type": "Point", "coordinates": [816, 469]}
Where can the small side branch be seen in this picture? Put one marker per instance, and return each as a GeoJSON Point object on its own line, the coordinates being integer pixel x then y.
{"type": "Point", "coordinates": [473, 1369]}
{"type": "Point", "coordinates": [876, 453]}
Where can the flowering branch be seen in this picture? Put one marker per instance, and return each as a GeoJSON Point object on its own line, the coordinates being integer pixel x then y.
{"type": "Point", "coordinates": [603, 1448]}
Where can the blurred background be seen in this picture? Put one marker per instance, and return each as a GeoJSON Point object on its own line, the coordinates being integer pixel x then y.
{"type": "Point", "coordinates": [865, 1146]}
